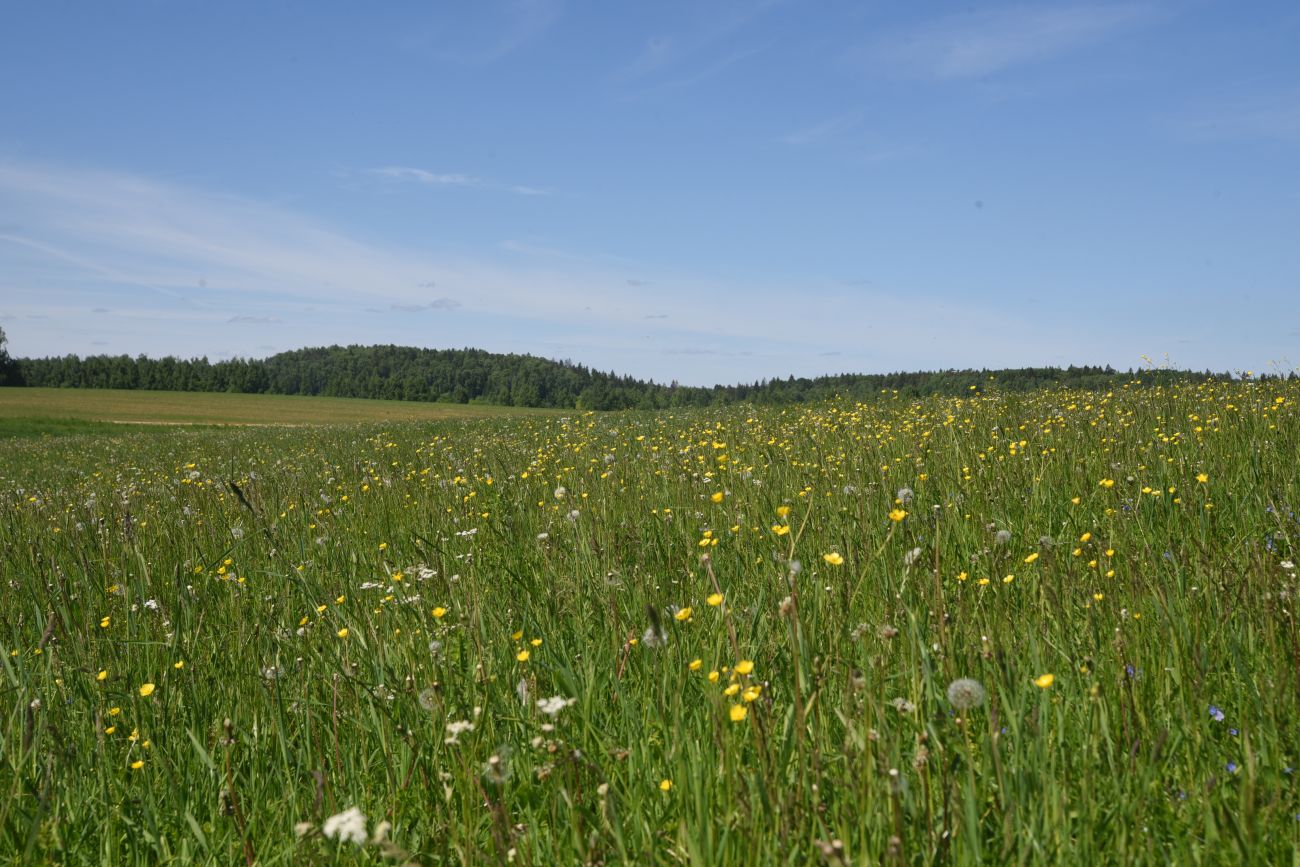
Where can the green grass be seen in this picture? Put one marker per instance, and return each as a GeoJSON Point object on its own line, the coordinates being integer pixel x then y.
{"type": "Point", "coordinates": [40, 407]}
{"type": "Point", "coordinates": [29, 427]}
{"type": "Point", "coordinates": [315, 606]}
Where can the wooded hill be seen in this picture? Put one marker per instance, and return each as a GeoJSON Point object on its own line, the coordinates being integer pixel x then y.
{"type": "Point", "coordinates": [476, 376]}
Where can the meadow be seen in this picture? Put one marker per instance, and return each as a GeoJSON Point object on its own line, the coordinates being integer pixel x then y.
{"type": "Point", "coordinates": [60, 411]}
{"type": "Point", "coordinates": [1055, 627]}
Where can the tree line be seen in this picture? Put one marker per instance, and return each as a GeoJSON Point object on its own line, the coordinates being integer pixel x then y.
{"type": "Point", "coordinates": [476, 376]}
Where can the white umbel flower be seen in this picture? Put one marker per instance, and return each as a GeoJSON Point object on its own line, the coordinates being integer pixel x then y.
{"type": "Point", "coordinates": [350, 825]}
{"type": "Point", "coordinates": [553, 705]}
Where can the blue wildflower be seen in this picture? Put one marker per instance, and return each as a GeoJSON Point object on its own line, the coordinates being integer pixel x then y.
{"type": "Point", "coordinates": [1216, 714]}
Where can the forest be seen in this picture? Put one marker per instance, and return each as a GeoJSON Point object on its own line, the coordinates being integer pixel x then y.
{"type": "Point", "coordinates": [477, 376]}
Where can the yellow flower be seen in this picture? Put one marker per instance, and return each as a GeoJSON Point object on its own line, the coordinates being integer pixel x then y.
{"type": "Point", "coordinates": [1202, 477]}
{"type": "Point", "coordinates": [732, 689]}
{"type": "Point", "coordinates": [146, 690]}
{"type": "Point", "coordinates": [103, 675]}
{"type": "Point", "coordinates": [752, 693]}
{"type": "Point", "coordinates": [713, 676]}
{"type": "Point", "coordinates": [782, 511]}
{"type": "Point", "coordinates": [780, 529]}
{"type": "Point", "coordinates": [137, 765]}
{"type": "Point", "coordinates": [1108, 483]}
{"type": "Point", "coordinates": [536, 642]}
{"type": "Point", "coordinates": [114, 711]}
{"type": "Point", "coordinates": [716, 496]}
{"type": "Point", "coordinates": [517, 635]}
{"type": "Point", "coordinates": [745, 666]}
{"type": "Point", "coordinates": [665, 785]}
{"type": "Point", "coordinates": [110, 730]}
{"type": "Point", "coordinates": [343, 633]}
{"type": "Point", "coordinates": [439, 612]}
{"type": "Point", "coordinates": [695, 665]}
{"type": "Point", "coordinates": [103, 624]}
{"type": "Point", "coordinates": [1007, 579]}
{"type": "Point", "coordinates": [683, 614]}
{"type": "Point", "coordinates": [897, 514]}
{"type": "Point", "coordinates": [179, 664]}
{"type": "Point", "coordinates": [833, 558]}
{"type": "Point", "coordinates": [715, 600]}
{"type": "Point", "coordinates": [1085, 537]}
{"type": "Point", "coordinates": [1044, 681]}
{"type": "Point", "coordinates": [522, 656]}
{"type": "Point", "coordinates": [738, 712]}
{"type": "Point", "coordinates": [1032, 557]}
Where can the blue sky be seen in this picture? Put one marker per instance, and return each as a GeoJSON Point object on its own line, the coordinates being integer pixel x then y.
{"type": "Point", "coordinates": [701, 191]}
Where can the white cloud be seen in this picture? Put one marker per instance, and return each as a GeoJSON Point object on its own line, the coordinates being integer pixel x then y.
{"type": "Point", "coordinates": [406, 173]}
{"type": "Point", "coordinates": [987, 42]}
{"type": "Point", "coordinates": [695, 44]}
{"type": "Point", "coordinates": [485, 32]}
{"type": "Point", "coordinates": [267, 262]}
{"type": "Point", "coordinates": [451, 179]}
{"type": "Point", "coordinates": [828, 128]}
{"type": "Point", "coordinates": [1250, 114]}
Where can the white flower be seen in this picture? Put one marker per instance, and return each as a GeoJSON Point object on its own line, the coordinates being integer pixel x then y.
{"type": "Point", "coordinates": [542, 537]}
{"type": "Point", "coordinates": [653, 638]}
{"type": "Point", "coordinates": [456, 729]}
{"type": "Point", "coordinates": [1288, 565]}
{"type": "Point", "coordinates": [553, 705]}
{"type": "Point", "coordinates": [561, 492]}
{"type": "Point", "coordinates": [965, 693]}
{"type": "Point", "coordinates": [348, 825]}
{"type": "Point", "coordinates": [911, 556]}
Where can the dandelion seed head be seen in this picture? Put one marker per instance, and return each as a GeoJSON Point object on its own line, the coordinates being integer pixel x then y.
{"type": "Point", "coordinates": [965, 693]}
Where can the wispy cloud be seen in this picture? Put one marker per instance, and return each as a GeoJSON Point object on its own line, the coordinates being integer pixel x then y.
{"type": "Point", "coordinates": [987, 42]}
{"type": "Point", "coordinates": [1250, 114]}
{"type": "Point", "coordinates": [268, 262]}
{"type": "Point", "coordinates": [410, 174]}
{"type": "Point", "coordinates": [486, 32]}
{"type": "Point", "coordinates": [690, 54]}
{"type": "Point", "coordinates": [435, 304]}
{"type": "Point", "coordinates": [828, 128]}
{"type": "Point", "coordinates": [254, 320]}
